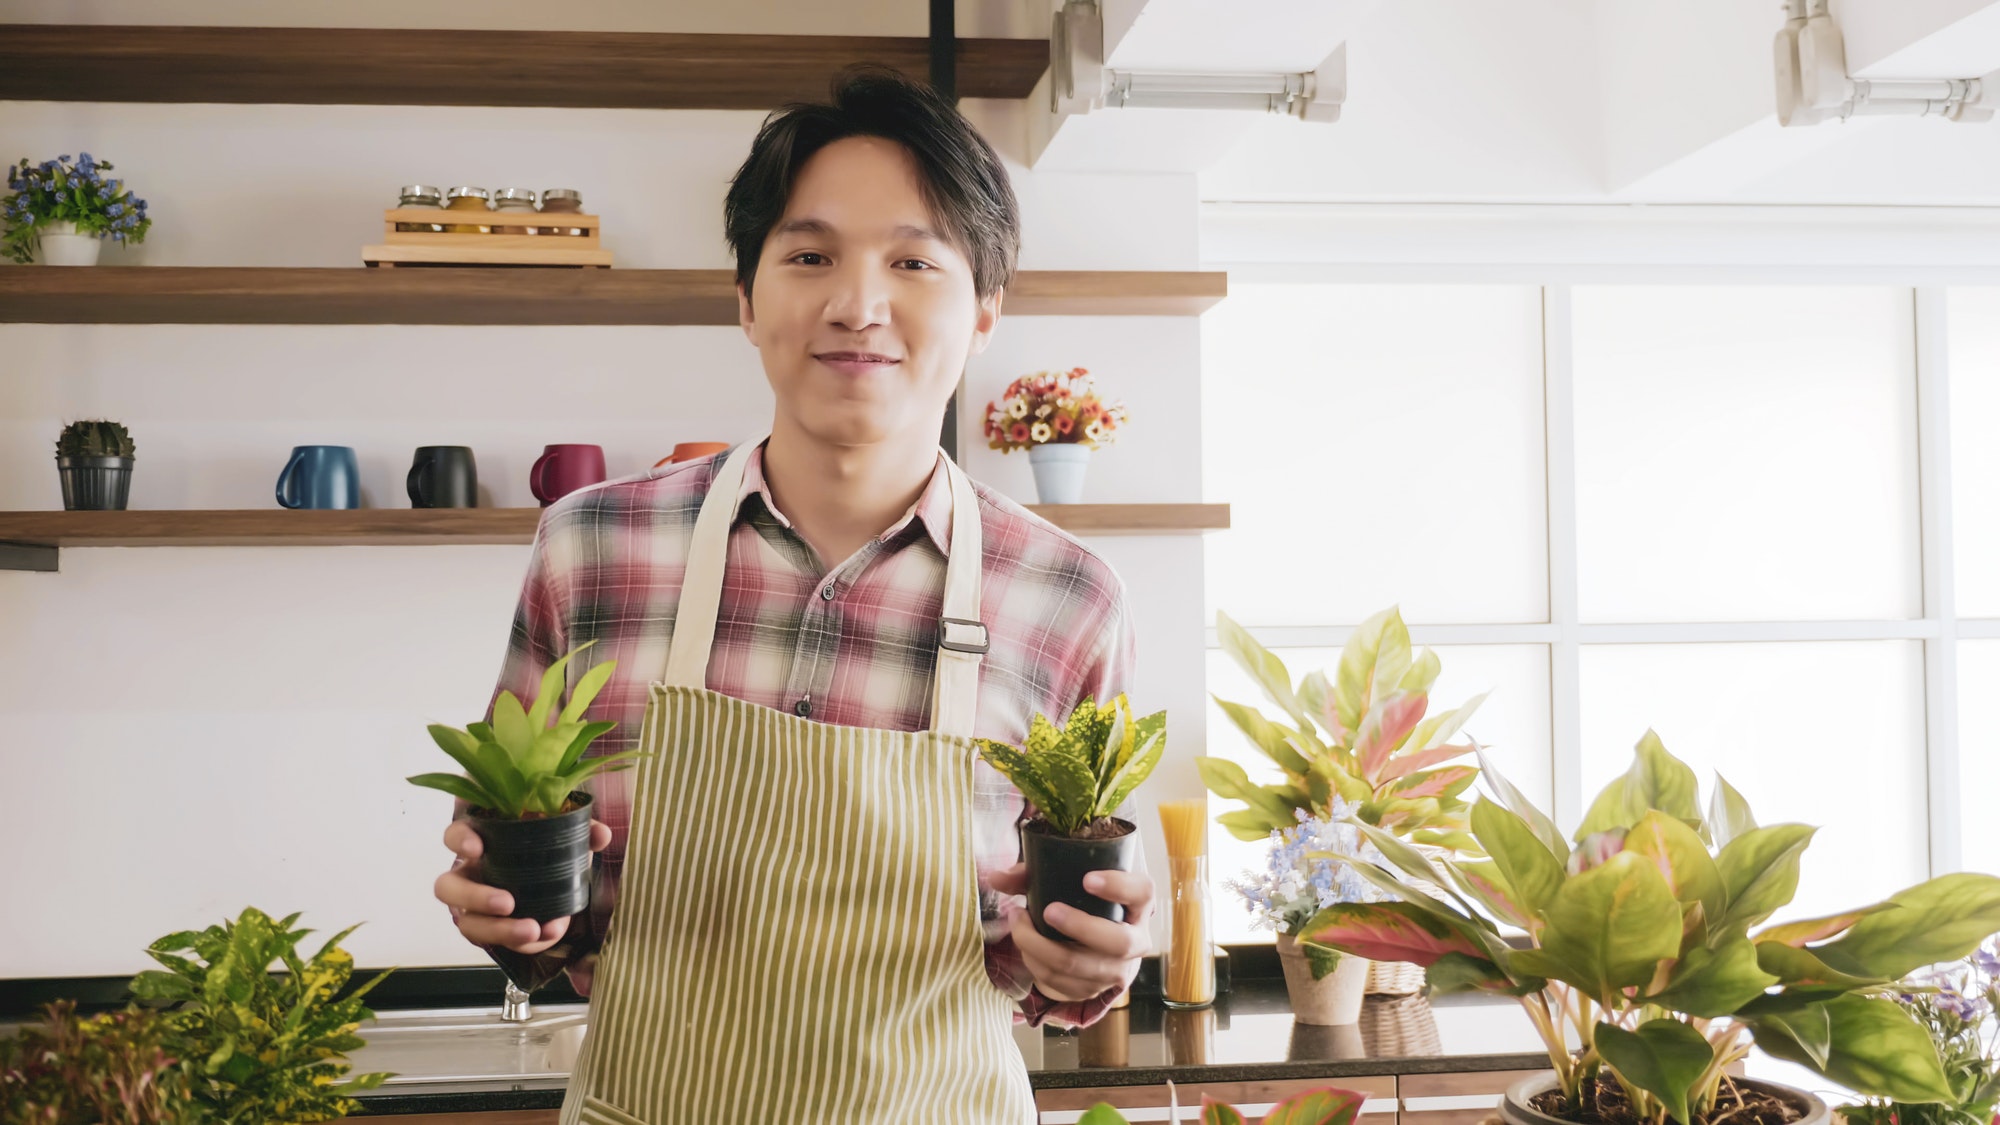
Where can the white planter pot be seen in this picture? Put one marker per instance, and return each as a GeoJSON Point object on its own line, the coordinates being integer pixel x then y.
{"type": "Point", "coordinates": [1333, 999]}
{"type": "Point", "coordinates": [63, 246]}
{"type": "Point", "coordinates": [1059, 471]}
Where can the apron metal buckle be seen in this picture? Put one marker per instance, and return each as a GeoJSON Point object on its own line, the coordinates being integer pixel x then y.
{"type": "Point", "coordinates": [962, 643]}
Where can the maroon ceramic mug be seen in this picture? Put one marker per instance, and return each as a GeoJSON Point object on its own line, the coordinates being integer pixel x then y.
{"type": "Point", "coordinates": [562, 469]}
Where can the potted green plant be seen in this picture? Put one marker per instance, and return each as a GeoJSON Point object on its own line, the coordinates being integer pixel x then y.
{"type": "Point", "coordinates": [66, 211]}
{"type": "Point", "coordinates": [94, 461]}
{"type": "Point", "coordinates": [256, 1045]}
{"type": "Point", "coordinates": [1076, 776]}
{"type": "Point", "coordinates": [1958, 1006]}
{"type": "Point", "coordinates": [1647, 942]}
{"type": "Point", "coordinates": [524, 769]}
{"type": "Point", "coordinates": [1361, 743]}
{"type": "Point", "coordinates": [114, 1066]}
{"type": "Point", "coordinates": [1330, 1106]}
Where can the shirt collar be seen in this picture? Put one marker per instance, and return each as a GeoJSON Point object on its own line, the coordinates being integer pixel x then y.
{"type": "Point", "coordinates": [932, 509]}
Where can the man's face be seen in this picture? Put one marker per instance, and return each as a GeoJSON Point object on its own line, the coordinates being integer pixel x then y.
{"type": "Point", "coordinates": [863, 313]}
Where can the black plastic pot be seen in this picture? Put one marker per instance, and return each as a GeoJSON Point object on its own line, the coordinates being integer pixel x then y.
{"type": "Point", "coordinates": [544, 863]}
{"type": "Point", "coordinates": [95, 484]}
{"type": "Point", "coordinates": [1057, 865]}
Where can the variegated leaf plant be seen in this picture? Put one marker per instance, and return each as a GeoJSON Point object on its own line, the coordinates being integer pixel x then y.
{"type": "Point", "coordinates": [528, 760]}
{"type": "Point", "coordinates": [1079, 773]}
{"type": "Point", "coordinates": [1648, 941]}
{"type": "Point", "coordinates": [1366, 736]}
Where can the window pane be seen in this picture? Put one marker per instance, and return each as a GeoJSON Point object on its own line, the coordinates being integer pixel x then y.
{"type": "Point", "coordinates": [1822, 733]}
{"type": "Point", "coordinates": [1745, 454]}
{"type": "Point", "coordinates": [1973, 320]}
{"type": "Point", "coordinates": [1378, 444]}
{"type": "Point", "coordinates": [1512, 725]}
{"type": "Point", "coordinates": [1978, 755]}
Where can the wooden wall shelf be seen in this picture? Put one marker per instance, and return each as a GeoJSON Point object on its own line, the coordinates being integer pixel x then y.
{"type": "Point", "coordinates": [489, 295]}
{"type": "Point", "coordinates": [369, 66]}
{"type": "Point", "coordinates": [31, 540]}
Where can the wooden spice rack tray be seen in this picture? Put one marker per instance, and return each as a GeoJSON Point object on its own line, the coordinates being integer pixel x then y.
{"type": "Point", "coordinates": [498, 247]}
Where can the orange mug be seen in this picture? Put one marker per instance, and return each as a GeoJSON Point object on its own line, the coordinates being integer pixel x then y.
{"type": "Point", "coordinates": [689, 450]}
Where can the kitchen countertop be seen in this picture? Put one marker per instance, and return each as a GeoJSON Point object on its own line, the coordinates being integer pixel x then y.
{"type": "Point", "coordinates": [1248, 1035]}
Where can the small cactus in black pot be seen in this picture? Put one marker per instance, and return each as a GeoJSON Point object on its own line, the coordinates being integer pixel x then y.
{"type": "Point", "coordinates": [94, 439]}
{"type": "Point", "coordinates": [94, 459]}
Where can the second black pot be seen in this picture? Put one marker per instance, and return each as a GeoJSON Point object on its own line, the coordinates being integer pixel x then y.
{"type": "Point", "coordinates": [95, 484]}
{"type": "Point", "coordinates": [1057, 865]}
{"type": "Point", "coordinates": [544, 863]}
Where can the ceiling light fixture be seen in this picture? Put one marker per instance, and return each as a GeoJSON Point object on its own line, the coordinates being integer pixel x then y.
{"type": "Point", "coordinates": [1079, 82]}
{"type": "Point", "coordinates": [1813, 84]}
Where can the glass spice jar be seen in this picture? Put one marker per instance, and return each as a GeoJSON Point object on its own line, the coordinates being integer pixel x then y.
{"type": "Point", "coordinates": [417, 195]}
{"type": "Point", "coordinates": [562, 201]}
{"type": "Point", "coordinates": [513, 199]}
{"type": "Point", "coordinates": [467, 199]}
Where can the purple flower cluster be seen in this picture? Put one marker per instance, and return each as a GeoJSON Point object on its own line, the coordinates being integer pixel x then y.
{"type": "Point", "coordinates": [1297, 883]}
{"type": "Point", "coordinates": [57, 191]}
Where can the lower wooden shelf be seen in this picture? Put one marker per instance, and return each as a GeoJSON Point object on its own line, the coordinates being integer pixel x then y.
{"type": "Point", "coordinates": [31, 540]}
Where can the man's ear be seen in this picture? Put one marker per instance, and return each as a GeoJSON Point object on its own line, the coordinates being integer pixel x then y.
{"type": "Point", "coordinates": [745, 315]}
{"type": "Point", "coordinates": [989, 319]}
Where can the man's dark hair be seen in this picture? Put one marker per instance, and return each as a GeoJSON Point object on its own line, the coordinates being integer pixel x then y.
{"type": "Point", "coordinates": [962, 179]}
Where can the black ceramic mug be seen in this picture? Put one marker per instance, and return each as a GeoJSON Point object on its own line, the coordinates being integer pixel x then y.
{"type": "Point", "coordinates": [443, 476]}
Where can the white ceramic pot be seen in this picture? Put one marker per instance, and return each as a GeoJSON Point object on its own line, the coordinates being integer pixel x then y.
{"type": "Point", "coordinates": [1059, 471]}
{"type": "Point", "coordinates": [1331, 1000]}
{"type": "Point", "coordinates": [63, 246]}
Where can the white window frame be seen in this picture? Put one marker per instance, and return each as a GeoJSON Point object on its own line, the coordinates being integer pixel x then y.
{"type": "Point", "coordinates": [1564, 635]}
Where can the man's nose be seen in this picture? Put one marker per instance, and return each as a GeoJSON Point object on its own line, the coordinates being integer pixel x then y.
{"type": "Point", "coordinates": [860, 297]}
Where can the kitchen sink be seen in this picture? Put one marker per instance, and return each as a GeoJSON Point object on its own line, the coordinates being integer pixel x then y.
{"type": "Point", "coordinates": [428, 1046]}
{"type": "Point", "coordinates": [462, 1049]}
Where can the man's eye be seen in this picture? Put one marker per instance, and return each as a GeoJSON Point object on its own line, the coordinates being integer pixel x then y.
{"type": "Point", "coordinates": [919, 262]}
{"type": "Point", "coordinates": [807, 254]}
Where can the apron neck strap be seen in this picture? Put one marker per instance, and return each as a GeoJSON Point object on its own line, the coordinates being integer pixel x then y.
{"type": "Point", "coordinates": [962, 638]}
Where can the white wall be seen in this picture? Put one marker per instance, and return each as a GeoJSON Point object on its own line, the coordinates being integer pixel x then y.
{"type": "Point", "coordinates": [190, 731]}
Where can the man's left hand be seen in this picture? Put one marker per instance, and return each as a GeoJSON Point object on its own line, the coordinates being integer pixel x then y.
{"type": "Point", "coordinates": [1105, 955]}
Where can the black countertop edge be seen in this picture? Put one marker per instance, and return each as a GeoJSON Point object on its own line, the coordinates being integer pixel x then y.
{"type": "Point", "coordinates": [1330, 1069]}
{"type": "Point", "coordinates": [481, 1101]}
{"type": "Point", "coordinates": [483, 986]}
{"type": "Point", "coordinates": [396, 1105]}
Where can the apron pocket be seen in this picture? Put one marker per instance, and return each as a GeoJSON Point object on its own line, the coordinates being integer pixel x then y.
{"type": "Point", "coordinates": [597, 1111]}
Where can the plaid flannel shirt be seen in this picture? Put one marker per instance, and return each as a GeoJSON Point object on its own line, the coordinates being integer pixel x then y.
{"type": "Point", "coordinates": [855, 645]}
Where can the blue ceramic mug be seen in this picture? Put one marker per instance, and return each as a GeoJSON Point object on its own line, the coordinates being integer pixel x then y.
{"type": "Point", "coordinates": [320, 476]}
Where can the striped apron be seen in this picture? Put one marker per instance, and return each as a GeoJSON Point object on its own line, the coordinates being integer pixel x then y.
{"type": "Point", "coordinates": [797, 936]}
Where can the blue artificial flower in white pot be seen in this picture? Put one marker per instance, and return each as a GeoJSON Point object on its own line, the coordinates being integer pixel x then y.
{"type": "Point", "coordinates": [1301, 878]}
{"type": "Point", "coordinates": [64, 211]}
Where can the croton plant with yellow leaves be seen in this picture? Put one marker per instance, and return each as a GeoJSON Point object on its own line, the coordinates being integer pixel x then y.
{"type": "Point", "coordinates": [1367, 736]}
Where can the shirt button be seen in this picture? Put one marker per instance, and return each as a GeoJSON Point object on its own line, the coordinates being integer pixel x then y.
{"type": "Point", "coordinates": [803, 707]}
{"type": "Point", "coordinates": [826, 592]}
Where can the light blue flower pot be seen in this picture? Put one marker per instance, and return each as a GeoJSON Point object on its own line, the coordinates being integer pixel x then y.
{"type": "Point", "coordinates": [1059, 471]}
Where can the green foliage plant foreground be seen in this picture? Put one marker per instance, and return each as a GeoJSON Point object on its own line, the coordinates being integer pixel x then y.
{"type": "Point", "coordinates": [258, 1046]}
{"type": "Point", "coordinates": [1650, 941]}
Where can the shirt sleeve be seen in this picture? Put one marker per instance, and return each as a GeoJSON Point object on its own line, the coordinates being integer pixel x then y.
{"type": "Point", "coordinates": [539, 638]}
{"type": "Point", "coordinates": [1106, 672]}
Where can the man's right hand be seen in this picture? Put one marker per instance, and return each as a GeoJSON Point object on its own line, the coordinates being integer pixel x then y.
{"type": "Point", "coordinates": [481, 911]}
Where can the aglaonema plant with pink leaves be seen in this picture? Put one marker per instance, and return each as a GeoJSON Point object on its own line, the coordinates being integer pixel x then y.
{"type": "Point", "coordinates": [1650, 965]}
{"type": "Point", "coordinates": [1367, 737]}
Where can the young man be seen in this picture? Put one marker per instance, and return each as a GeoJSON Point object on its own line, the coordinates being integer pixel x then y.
{"type": "Point", "coordinates": [819, 916]}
